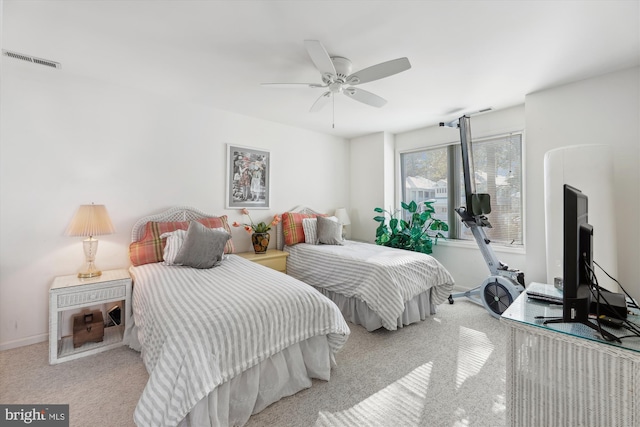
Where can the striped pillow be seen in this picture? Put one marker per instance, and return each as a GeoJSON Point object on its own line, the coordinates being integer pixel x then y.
{"type": "Point", "coordinates": [310, 228]}
{"type": "Point", "coordinates": [151, 248]}
{"type": "Point", "coordinates": [174, 242]}
{"type": "Point", "coordinates": [292, 227]}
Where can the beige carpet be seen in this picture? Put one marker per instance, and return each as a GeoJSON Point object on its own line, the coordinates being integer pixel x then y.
{"type": "Point", "coordinates": [101, 389]}
{"type": "Point", "coordinates": [446, 371]}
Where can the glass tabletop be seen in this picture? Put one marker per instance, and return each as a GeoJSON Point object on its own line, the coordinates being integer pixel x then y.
{"type": "Point", "coordinates": [534, 312]}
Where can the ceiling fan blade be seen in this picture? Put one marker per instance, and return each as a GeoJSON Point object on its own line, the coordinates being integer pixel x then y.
{"type": "Point", "coordinates": [365, 97]}
{"type": "Point", "coordinates": [321, 102]}
{"type": "Point", "coordinates": [320, 57]}
{"type": "Point", "coordinates": [379, 71]}
{"type": "Point", "coordinates": [293, 85]}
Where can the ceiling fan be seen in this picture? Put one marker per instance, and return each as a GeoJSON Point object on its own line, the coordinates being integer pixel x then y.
{"type": "Point", "coordinates": [338, 78]}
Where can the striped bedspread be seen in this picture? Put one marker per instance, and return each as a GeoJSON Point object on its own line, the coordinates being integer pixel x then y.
{"type": "Point", "coordinates": [200, 328]}
{"type": "Point", "coordinates": [384, 278]}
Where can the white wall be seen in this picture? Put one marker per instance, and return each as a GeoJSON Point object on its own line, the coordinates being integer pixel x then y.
{"type": "Point", "coordinates": [369, 177]}
{"type": "Point", "coordinates": [67, 140]}
{"type": "Point", "coordinates": [601, 110]}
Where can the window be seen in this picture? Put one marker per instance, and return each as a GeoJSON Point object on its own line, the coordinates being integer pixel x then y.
{"type": "Point", "coordinates": [436, 174]}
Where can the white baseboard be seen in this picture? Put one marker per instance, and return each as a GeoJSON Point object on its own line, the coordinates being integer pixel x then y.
{"type": "Point", "coordinates": [24, 341]}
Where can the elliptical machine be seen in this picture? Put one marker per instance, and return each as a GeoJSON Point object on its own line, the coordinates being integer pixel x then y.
{"type": "Point", "coordinates": [503, 285]}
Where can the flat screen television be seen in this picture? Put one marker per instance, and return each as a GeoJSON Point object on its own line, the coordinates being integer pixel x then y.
{"type": "Point", "coordinates": [577, 288]}
{"type": "Point", "coordinates": [577, 256]}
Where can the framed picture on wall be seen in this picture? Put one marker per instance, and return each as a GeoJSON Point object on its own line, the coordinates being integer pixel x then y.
{"type": "Point", "coordinates": [248, 171]}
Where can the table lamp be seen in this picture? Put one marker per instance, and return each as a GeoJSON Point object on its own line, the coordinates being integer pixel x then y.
{"type": "Point", "coordinates": [343, 217]}
{"type": "Point", "coordinates": [90, 220]}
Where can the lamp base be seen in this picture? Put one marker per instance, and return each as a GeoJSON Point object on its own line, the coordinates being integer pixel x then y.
{"type": "Point", "coordinates": [89, 274]}
{"type": "Point", "coordinates": [89, 271]}
{"type": "Point", "coordinates": [90, 247]}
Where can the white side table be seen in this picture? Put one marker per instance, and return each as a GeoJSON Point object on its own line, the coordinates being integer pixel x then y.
{"type": "Point", "coordinates": [72, 293]}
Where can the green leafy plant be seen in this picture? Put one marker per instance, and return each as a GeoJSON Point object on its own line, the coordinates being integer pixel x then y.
{"type": "Point", "coordinates": [419, 234]}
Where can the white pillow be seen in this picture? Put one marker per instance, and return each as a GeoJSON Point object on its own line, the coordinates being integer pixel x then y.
{"type": "Point", "coordinates": [175, 239]}
{"type": "Point", "coordinates": [310, 228]}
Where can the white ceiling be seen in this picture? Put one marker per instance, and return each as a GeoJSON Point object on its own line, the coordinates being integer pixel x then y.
{"type": "Point", "coordinates": [465, 55]}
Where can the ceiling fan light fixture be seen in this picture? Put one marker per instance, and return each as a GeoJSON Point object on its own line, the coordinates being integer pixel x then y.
{"type": "Point", "coordinates": [336, 87]}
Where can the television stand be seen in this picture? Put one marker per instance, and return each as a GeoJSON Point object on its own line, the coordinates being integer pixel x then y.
{"type": "Point", "coordinates": [562, 374]}
{"type": "Point", "coordinates": [605, 334]}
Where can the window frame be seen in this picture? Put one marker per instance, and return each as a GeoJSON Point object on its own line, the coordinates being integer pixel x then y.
{"type": "Point", "coordinates": [455, 224]}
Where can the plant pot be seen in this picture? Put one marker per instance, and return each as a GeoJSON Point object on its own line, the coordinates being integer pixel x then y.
{"type": "Point", "coordinates": [260, 242]}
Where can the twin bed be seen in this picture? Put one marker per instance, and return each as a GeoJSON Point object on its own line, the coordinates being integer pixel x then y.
{"type": "Point", "coordinates": [223, 342]}
{"type": "Point", "coordinates": [374, 286]}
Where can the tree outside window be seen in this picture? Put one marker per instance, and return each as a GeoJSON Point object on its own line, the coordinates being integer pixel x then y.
{"type": "Point", "coordinates": [436, 174]}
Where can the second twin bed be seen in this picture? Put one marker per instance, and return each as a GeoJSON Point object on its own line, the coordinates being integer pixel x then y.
{"type": "Point", "coordinates": [374, 286]}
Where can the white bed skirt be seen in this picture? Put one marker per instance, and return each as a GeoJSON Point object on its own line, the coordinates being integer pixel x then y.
{"type": "Point", "coordinates": [358, 312]}
{"type": "Point", "coordinates": [281, 375]}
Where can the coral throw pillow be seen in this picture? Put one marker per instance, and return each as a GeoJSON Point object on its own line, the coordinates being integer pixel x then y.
{"type": "Point", "coordinates": [292, 227]}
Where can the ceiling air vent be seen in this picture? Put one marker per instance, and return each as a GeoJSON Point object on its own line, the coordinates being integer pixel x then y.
{"type": "Point", "coordinates": [30, 58]}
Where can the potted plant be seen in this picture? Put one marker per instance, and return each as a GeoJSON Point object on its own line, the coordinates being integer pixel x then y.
{"type": "Point", "coordinates": [418, 234]}
{"type": "Point", "coordinates": [259, 232]}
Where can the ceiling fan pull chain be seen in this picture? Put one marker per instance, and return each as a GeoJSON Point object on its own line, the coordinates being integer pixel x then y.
{"type": "Point", "coordinates": [333, 113]}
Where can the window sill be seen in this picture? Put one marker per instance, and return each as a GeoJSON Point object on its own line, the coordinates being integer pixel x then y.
{"type": "Point", "coordinates": [468, 244]}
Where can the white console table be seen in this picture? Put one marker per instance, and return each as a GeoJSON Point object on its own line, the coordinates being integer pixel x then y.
{"type": "Point", "coordinates": [565, 374]}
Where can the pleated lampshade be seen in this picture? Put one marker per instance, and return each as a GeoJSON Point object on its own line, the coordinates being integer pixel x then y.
{"type": "Point", "coordinates": [90, 220]}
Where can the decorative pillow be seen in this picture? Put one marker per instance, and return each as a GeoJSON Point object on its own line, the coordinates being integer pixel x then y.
{"type": "Point", "coordinates": [292, 226]}
{"type": "Point", "coordinates": [175, 239]}
{"type": "Point", "coordinates": [329, 231]}
{"type": "Point", "coordinates": [310, 228]}
{"type": "Point", "coordinates": [150, 249]}
{"type": "Point", "coordinates": [203, 247]}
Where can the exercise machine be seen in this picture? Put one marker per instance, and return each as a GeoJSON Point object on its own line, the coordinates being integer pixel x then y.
{"type": "Point", "coordinates": [503, 285]}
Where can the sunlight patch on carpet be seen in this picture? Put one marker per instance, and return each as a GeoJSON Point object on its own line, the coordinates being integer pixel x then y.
{"type": "Point", "coordinates": [499, 405]}
{"type": "Point", "coordinates": [474, 349]}
{"type": "Point", "coordinates": [399, 404]}
{"type": "Point", "coordinates": [463, 420]}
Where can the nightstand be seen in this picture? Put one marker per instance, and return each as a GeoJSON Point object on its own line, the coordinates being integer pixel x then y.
{"type": "Point", "coordinates": [273, 258]}
{"type": "Point", "coordinates": [72, 293]}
